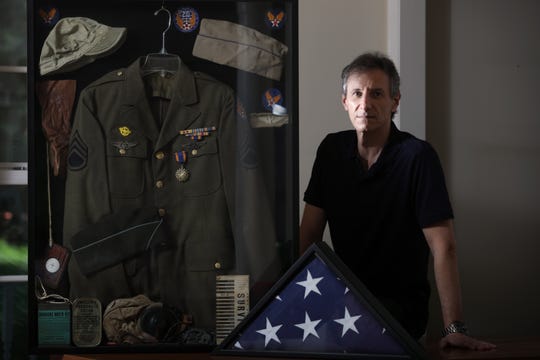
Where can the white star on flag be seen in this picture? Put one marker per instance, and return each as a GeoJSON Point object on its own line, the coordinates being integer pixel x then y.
{"type": "Point", "coordinates": [310, 284]}
{"type": "Point", "coordinates": [308, 326]}
{"type": "Point", "coordinates": [348, 322]}
{"type": "Point", "coordinates": [270, 333]}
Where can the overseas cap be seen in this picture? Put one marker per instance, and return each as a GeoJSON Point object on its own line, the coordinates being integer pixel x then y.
{"type": "Point", "coordinates": [78, 41]}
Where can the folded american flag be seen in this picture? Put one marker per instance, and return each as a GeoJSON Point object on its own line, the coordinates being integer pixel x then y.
{"type": "Point", "coordinates": [317, 312]}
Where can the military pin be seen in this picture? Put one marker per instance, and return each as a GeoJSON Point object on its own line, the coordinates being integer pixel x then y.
{"type": "Point", "coordinates": [182, 174]}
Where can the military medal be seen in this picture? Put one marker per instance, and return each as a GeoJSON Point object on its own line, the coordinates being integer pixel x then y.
{"type": "Point", "coordinates": [196, 134]}
{"type": "Point", "coordinates": [182, 174]}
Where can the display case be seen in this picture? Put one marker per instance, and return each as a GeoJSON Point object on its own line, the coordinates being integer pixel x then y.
{"type": "Point", "coordinates": [163, 142]}
{"type": "Point", "coordinates": [320, 310]}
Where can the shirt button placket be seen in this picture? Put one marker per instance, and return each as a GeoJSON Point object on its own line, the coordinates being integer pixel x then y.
{"type": "Point", "coordinates": [159, 168]}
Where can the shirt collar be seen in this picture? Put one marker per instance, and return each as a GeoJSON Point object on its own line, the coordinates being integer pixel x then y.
{"type": "Point", "coordinates": [393, 137]}
{"type": "Point", "coordinates": [184, 83]}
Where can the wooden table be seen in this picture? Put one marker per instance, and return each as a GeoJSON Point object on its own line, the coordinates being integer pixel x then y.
{"type": "Point", "coordinates": [508, 349]}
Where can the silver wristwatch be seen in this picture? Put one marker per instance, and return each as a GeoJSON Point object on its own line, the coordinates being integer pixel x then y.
{"type": "Point", "coordinates": [455, 327]}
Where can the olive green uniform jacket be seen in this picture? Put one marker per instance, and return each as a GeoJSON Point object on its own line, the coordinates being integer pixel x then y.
{"type": "Point", "coordinates": [132, 225]}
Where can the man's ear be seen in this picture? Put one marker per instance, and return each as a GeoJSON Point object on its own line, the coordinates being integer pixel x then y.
{"type": "Point", "coordinates": [396, 100]}
{"type": "Point", "coordinates": [344, 102]}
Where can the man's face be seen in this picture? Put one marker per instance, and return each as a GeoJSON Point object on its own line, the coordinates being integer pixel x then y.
{"type": "Point", "coordinates": [368, 100]}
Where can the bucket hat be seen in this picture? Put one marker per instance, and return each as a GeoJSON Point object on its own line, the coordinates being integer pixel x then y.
{"type": "Point", "coordinates": [77, 41]}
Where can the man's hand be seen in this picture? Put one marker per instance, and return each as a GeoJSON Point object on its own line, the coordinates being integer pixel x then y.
{"type": "Point", "coordinates": [466, 342]}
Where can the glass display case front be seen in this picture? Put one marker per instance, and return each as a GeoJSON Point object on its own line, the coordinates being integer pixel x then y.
{"type": "Point", "coordinates": [162, 169]}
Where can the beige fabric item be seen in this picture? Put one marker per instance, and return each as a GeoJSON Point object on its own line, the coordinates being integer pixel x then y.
{"type": "Point", "coordinates": [77, 41]}
{"type": "Point", "coordinates": [241, 47]}
{"type": "Point", "coordinates": [120, 320]}
{"type": "Point", "coordinates": [264, 120]}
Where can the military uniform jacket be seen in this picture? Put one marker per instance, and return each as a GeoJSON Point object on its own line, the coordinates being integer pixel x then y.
{"type": "Point", "coordinates": [132, 225]}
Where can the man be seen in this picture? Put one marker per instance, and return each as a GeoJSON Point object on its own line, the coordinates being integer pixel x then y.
{"type": "Point", "coordinates": [383, 194]}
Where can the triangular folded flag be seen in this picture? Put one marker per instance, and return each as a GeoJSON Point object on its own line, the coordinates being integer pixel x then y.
{"type": "Point", "coordinates": [319, 308]}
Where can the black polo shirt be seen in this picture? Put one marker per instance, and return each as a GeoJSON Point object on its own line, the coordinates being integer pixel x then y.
{"type": "Point", "coordinates": [376, 216]}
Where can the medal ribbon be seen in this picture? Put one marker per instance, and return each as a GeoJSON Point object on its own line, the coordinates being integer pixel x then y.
{"type": "Point", "coordinates": [198, 133]}
{"type": "Point", "coordinates": [181, 157]}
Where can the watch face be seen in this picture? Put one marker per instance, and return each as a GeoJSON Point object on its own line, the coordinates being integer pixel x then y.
{"type": "Point", "coordinates": [52, 265]}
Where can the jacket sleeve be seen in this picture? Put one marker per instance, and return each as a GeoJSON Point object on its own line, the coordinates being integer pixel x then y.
{"type": "Point", "coordinates": [254, 225]}
{"type": "Point", "coordinates": [87, 188]}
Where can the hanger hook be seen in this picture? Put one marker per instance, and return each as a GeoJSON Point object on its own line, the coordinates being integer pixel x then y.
{"type": "Point", "coordinates": [163, 8]}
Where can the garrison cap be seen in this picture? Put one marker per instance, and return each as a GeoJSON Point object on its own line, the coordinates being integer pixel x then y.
{"type": "Point", "coordinates": [241, 47]}
{"type": "Point", "coordinates": [77, 41]}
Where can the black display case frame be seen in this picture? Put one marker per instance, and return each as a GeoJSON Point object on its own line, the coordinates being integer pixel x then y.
{"type": "Point", "coordinates": [279, 144]}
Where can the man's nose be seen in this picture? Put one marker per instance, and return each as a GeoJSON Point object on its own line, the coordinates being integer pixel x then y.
{"type": "Point", "coordinates": [364, 102]}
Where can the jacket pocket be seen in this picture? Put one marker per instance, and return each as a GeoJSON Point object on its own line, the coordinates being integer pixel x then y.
{"type": "Point", "coordinates": [217, 257]}
{"type": "Point", "coordinates": [203, 165]}
{"type": "Point", "coordinates": [126, 162]}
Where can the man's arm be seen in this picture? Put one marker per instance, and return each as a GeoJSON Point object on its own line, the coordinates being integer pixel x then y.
{"type": "Point", "coordinates": [311, 227]}
{"type": "Point", "coordinates": [441, 240]}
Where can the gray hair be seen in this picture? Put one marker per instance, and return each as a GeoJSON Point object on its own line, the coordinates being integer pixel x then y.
{"type": "Point", "coordinates": [370, 61]}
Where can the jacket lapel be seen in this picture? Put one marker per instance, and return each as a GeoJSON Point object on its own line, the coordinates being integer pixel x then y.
{"type": "Point", "coordinates": [180, 114]}
{"type": "Point", "coordinates": [135, 108]}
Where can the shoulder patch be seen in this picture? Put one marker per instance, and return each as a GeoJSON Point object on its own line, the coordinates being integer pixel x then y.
{"type": "Point", "coordinates": [49, 15]}
{"type": "Point", "coordinates": [186, 19]}
{"type": "Point", "coordinates": [270, 97]}
{"type": "Point", "coordinates": [275, 18]}
{"type": "Point", "coordinates": [78, 153]}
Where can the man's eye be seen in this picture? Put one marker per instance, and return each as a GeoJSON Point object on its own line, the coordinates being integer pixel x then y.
{"type": "Point", "coordinates": [357, 93]}
{"type": "Point", "coordinates": [376, 94]}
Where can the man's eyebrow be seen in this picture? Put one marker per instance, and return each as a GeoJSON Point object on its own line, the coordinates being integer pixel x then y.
{"type": "Point", "coordinates": [381, 89]}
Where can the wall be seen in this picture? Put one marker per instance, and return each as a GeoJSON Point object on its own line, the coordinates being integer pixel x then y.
{"type": "Point", "coordinates": [331, 34]}
{"type": "Point", "coordinates": [482, 65]}
{"type": "Point", "coordinates": [483, 70]}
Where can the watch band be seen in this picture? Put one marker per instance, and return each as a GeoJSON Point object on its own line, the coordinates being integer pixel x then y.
{"type": "Point", "coordinates": [455, 327]}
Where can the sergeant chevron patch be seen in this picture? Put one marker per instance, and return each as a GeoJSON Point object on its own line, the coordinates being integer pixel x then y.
{"type": "Point", "coordinates": [78, 153]}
